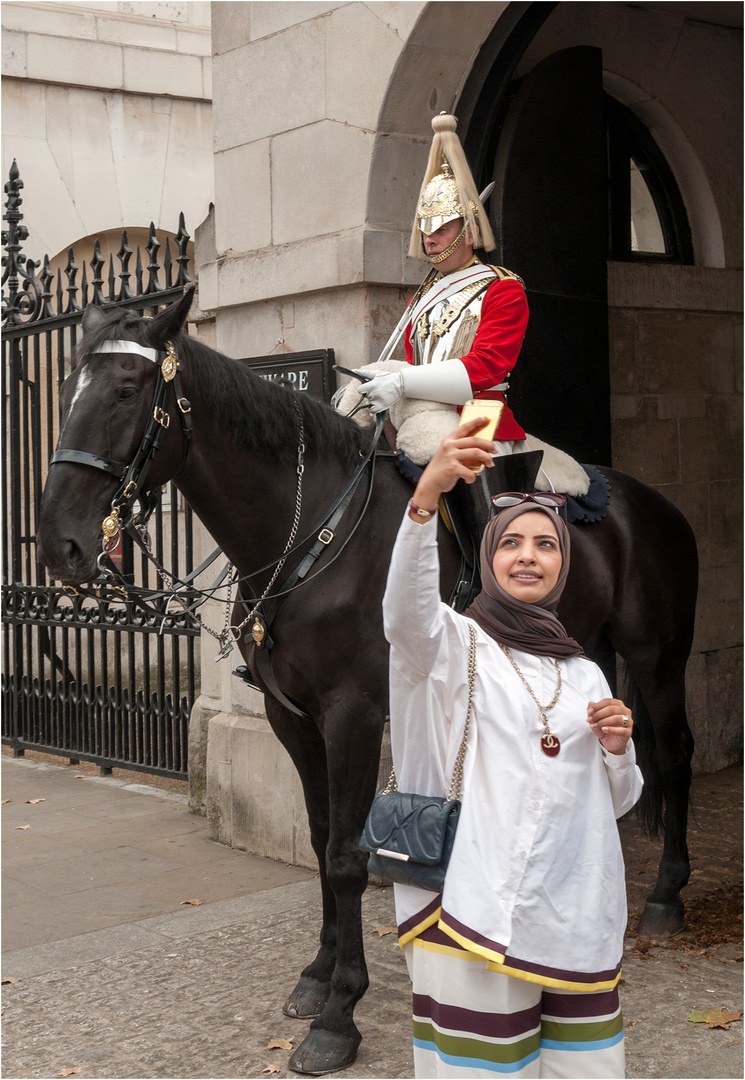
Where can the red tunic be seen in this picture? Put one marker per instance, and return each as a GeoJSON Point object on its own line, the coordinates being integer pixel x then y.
{"type": "Point", "coordinates": [496, 347]}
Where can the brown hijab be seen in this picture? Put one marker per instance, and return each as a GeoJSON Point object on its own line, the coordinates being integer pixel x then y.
{"type": "Point", "coordinates": [526, 627]}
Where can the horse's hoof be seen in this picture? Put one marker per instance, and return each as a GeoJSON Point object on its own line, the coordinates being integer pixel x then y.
{"type": "Point", "coordinates": [307, 1000]}
{"type": "Point", "coordinates": [661, 920]}
{"type": "Point", "coordinates": [323, 1051]}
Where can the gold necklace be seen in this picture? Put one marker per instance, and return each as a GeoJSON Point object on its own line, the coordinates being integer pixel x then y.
{"type": "Point", "coordinates": [550, 745]}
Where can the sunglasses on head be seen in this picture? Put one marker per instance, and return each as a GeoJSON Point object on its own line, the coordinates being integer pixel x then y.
{"type": "Point", "coordinates": [551, 500]}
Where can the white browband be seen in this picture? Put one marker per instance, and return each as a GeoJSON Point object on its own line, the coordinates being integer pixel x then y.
{"type": "Point", "coordinates": [156, 355]}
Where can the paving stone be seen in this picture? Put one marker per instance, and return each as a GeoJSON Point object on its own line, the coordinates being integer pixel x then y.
{"type": "Point", "coordinates": [197, 993]}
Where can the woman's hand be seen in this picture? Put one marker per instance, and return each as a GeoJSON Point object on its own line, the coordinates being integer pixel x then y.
{"type": "Point", "coordinates": [612, 722]}
{"type": "Point", "coordinates": [447, 466]}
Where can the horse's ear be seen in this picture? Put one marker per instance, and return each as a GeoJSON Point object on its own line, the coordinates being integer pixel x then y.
{"type": "Point", "coordinates": [93, 318]}
{"type": "Point", "coordinates": [166, 325]}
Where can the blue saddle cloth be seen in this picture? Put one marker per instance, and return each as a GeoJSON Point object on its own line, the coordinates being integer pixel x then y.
{"type": "Point", "coordinates": [593, 505]}
{"type": "Point", "coordinates": [582, 508]}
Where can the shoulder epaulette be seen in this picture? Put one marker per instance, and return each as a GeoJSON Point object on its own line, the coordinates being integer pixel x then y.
{"type": "Point", "coordinates": [503, 273]}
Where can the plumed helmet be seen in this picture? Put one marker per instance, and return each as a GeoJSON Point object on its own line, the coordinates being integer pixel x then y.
{"type": "Point", "coordinates": [440, 202]}
{"type": "Point", "coordinates": [449, 191]}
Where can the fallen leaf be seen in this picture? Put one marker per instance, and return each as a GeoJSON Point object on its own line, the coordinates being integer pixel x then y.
{"type": "Point", "coordinates": [279, 1044]}
{"type": "Point", "coordinates": [8, 979]}
{"type": "Point", "coordinates": [381, 931]}
{"type": "Point", "coordinates": [271, 1069]}
{"type": "Point", "coordinates": [69, 1072]}
{"type": "Point", "coordinates": [722, 1019]}
{"type": "Point", "coordinates": [194, 903]}
{"type": "Point", "coordinates": [34, 801]}
{"type": "Point", "coordinates": [23, 827]}
{"type": "Point", "coordinates": [714, 1018]}
{"type": "Point", "coordinates": [5, 800]}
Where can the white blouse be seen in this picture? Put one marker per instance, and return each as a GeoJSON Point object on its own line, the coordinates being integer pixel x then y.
{"type": "Point", "coordinates": [536, 882]}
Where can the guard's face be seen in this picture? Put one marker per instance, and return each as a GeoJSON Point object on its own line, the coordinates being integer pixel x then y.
{"type": "Point", "coordinates": [442, 237]}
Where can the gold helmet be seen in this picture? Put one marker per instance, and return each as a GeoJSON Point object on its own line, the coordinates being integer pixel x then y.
{"type": "Point", "coordinates": [449, 193]}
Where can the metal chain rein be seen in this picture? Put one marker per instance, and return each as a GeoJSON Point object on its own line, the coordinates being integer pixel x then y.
{"type": "Point", "coordinates": [224, 635]}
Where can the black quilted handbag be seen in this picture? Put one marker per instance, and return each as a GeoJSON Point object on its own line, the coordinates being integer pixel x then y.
{"type": "Point", "coordinates": [410, 837]}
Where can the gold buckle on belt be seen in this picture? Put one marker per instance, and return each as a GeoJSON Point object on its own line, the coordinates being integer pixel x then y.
{"type": "Point", "coordinates": [325, 536]}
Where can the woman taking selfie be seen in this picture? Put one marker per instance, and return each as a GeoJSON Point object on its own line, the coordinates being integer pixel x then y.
{"type": "Point", "coordinates": [515, 965]}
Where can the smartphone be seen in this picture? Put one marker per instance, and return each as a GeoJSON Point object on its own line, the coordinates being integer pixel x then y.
{"type": "Point", "coordinates": [489, 408]}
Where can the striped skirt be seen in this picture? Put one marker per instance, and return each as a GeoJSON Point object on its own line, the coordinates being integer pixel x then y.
{"type": "Point", "coordinates": [474, 1022]}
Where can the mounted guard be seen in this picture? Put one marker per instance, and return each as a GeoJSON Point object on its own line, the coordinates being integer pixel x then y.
{"type": "Point", "coordinates": [464, 327]}
{"type": "Point", "coordinates": [462, 330]}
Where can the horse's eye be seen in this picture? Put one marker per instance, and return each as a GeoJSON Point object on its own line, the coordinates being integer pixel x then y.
{"type": "Point", "coordinates": [127, 392]}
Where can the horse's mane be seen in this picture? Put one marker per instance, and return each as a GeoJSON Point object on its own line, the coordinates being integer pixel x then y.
{"type": "Point", "coordinates": [254, 413]}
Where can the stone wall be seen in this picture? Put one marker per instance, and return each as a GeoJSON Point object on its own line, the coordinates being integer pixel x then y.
{"type": "Point", "coordinates": [315, 183]}
{"type": "Point", "coordinates": [676, 372]}
{"type": "Point", "coordinates": [107, 109]}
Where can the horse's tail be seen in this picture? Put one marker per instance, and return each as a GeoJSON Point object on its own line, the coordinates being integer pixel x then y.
{"type": "Point", "coordinates": [649, 807]}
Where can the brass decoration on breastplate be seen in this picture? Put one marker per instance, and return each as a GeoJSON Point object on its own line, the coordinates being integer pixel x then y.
{"type": "Point", "coordinates": [446, 320]}
{"type": "Point", "coordinates": [258, 632]}
{"type": "Point", "coordinates": [454, 308]}
{"type": "Point", "coordinates": [422, 327]}
{"type": "Point", "coordinates": [464, 335]}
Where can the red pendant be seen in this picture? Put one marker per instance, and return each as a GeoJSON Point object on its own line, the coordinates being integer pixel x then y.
{"type": "Point", "coordinates": [550, 745]}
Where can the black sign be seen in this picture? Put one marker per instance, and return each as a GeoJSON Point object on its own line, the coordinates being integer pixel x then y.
{"type": "Point", "coordinates": [310, 372]}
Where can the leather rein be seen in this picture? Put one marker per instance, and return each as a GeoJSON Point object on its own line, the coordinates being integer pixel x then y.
{"type": "Point", "coordinates": [132, 479]}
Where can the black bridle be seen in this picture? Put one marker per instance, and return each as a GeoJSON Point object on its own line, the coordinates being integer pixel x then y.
{"type": "Point", "coordinates": [132, 477]}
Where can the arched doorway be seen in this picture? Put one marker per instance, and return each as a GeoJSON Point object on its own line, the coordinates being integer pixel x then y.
{"type": "Point", "coordinates": [654, 375]}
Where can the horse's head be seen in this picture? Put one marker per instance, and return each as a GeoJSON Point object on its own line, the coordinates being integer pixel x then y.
{"type": "Point", "coordinates": [107, 403]}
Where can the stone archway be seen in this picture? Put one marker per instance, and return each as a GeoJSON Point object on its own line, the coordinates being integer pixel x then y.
{"type": "Point", "coordinates": [428, 78]}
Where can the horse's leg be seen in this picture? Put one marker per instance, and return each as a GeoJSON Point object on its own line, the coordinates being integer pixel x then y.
{"type": "Point", "coordinates": [353, 752]}
{"type": "Point", "coordinates": [664, 698]}
{"type": "Point", "coordinates": [651, 624]}
{"type": "Point", "coordinates": [306, 747]}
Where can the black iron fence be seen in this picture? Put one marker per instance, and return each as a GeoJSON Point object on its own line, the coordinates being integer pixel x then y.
{"type": "Point", "coordinates": [108, 680]}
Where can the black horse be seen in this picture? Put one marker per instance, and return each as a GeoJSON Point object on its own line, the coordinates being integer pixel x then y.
{"type": "Point", "coordinates": [631, 588]}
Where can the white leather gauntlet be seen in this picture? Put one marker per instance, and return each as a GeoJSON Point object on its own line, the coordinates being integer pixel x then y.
{"type": "Point", "coordinates": [383, 391]}
{"type": "Point", "coordinates": [448, 382]}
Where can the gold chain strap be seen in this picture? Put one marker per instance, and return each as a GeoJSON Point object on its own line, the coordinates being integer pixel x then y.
{"type": "Point", "coordinates": [542, 709]}
{"type": "Point", "coordinates": [457, 782]}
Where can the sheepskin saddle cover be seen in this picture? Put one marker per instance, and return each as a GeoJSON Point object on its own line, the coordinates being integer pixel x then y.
{"type": "Point", "coordinates": [422, 425]}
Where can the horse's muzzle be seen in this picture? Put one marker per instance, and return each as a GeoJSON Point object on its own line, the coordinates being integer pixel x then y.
{"type": "Point", "coordinates": [69, 558]}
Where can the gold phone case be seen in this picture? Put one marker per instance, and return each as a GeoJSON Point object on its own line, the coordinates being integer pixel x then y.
{"type": "Point", "coordinates": [489, 408]}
